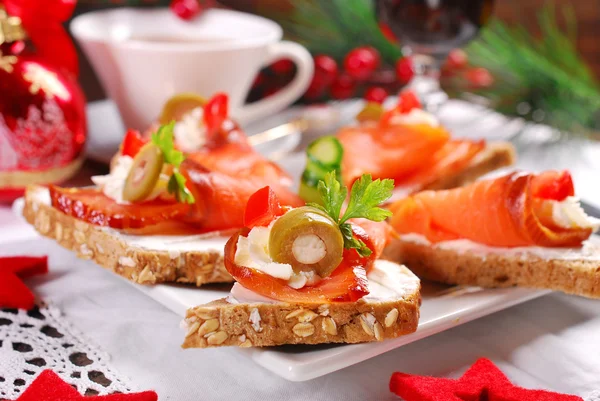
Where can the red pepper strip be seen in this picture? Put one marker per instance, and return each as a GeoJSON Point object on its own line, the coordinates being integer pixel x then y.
{"type": "Point", "coordinates": [132, 143]}
{"type": "Point", "coordinates": [262, 207]}
{"type": "Point", "coordinates": [215, 113]}
{"type": "Point", "coordinates": [407, 100]}
{"type": "Point", "coordinates": [347, 283]}
{"type": "Point", "coordinates": [552, 185]}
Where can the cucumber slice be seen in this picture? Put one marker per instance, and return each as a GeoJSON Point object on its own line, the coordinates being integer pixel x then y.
{"type": "Point", "coordinates": [322, 156]}
{"type": "Point", "coordinates": [309, 193]}
{"type": "Point", "coordinates": [326, 150]}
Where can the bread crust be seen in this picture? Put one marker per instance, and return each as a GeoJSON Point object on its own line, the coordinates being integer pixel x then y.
{"type": "Point", "coordinates": [266, 324]}
{"type": "Point", "coordinates": [142, 266]}
{"type": "Point", "coordinates": [494, 156]}
{"type": "Point", "coordinates": [492, 270]}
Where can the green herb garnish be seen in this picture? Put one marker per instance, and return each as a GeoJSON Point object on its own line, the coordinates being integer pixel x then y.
{"type": "Point", "coordinates": [163, 138]}
{"type": "Point", "coordinates": [365, 197]}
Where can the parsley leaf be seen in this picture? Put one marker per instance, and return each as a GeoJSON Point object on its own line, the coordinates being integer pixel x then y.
{"type": "Point", "coordinates": [163, 138]}
{"type": "Point", "coordinates": [365, 197]}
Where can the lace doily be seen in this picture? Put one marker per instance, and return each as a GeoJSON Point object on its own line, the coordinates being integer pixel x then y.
{"type": "Point", "coordinates": [38, 339]}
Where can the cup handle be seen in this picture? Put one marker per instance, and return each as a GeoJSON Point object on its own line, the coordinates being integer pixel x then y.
{"type": "Point", "coordinates": [287, 95]}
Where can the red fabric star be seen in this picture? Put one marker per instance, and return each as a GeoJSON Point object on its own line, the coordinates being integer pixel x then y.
{"type": "Point", "coordinates": [13, 293]}
{"type": "Point", "coordinates": [482, 382]}
{"type": "Point", "coordinates": [48, 386]}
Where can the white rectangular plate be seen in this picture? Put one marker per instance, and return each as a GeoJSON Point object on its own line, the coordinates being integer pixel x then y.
{"type": "Point", "coordinates": [443, 308]}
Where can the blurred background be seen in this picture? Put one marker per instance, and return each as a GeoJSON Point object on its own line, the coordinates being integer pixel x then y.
{"type": "Point", "coordinates": [520, 70]}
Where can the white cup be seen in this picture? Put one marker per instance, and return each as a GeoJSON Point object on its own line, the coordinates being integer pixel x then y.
{"type": "Point", "coordinates": [144, 56]}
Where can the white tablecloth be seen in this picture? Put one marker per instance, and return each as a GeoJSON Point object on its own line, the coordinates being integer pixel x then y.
{"type": "Point", "coordinates": [552, 342]}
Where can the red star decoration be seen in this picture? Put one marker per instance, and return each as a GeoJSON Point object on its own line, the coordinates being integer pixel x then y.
{"type": "Point", "coordinates": [48, 386]}
{"type": "Point", "coordinates": [482, 382]}
{"type": "Point", "coordinates": [13, 293]}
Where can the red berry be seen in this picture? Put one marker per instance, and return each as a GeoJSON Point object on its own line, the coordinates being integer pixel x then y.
{"type": "Point", "coordinates": [325, 73]}
{"type": "Point", "coordinates": [283, 66]}
{"type": "Point", "coordinates": [361, 62]}
{"type": "Point", "coordinates": [343, 87]}
{"type": "Point", "coordinates": [375, 94]}
{"type": "Point", "coordinates": [185, 9]}
{"type": "Point", "coordinates": [408, 100]}
{"type": "Point", "coordinates": [326, 69]}
{"type": "Point", "coordinates": [479, 77]}
{"type": "Point", "coordinates": [457, 59]}
{"type": "Point", "coordinates": [404, 69]}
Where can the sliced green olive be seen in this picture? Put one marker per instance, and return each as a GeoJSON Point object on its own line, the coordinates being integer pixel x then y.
{"type": "Point", "coordinates": [144, 173]}
{"type": "Point", "coordinates": [177, 106]}
{"type": "Point", "coordinates": [307, 239]}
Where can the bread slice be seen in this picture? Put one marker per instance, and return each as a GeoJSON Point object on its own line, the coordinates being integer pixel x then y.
{"type": "Point", "coordinates": [494, 156]}
{"type": "Point", "coordinates": [574, 271]}
{"type": "Point", "coordinates": [389, 311]}
{"type": "Point", "coordinates": [148, 259]}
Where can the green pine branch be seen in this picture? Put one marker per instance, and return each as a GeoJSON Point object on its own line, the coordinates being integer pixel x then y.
{"type": "Point", "coordinates": [546, 72]}
{"type": "Point", "coordinates": [335, 27]}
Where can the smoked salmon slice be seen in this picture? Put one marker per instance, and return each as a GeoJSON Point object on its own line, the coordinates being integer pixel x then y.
{"type": "Point", "coordinates": [221, 199]}
{"type": "Point", "coordinates": [92, 206]}
{"type": "Point", "coordinates": [388, 151]}
{"type": "Point", "coordinates": [454, 156]}
{"type": "Point", "coordinates": [220, 202]}
{"type": "Point", "coordinates": [347, 283]}
{"type": "Point", "coordinates": [509, 211]}
{"type": "Point", "coordinates": [240, 160]}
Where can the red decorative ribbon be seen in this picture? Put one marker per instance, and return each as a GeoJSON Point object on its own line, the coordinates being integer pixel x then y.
{"type": "Point", "coordinates": [13, 293]}
{"type": "Point", "coordinates": [483, 381]}
{"type": "Point", "coordinates": [42, 20]}
{"type": "Point", "coordinates": [48, 386]}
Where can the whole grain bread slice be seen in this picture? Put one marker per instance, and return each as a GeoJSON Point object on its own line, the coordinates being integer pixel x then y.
{"type": "Point", "coordinates": [227, 322]}
{"type": "Point", "coordinates": [110, 249]}
{"type": "Point", "coordinates": [573, 271]}
{"type": "Point", "coordinates": [494, 156]}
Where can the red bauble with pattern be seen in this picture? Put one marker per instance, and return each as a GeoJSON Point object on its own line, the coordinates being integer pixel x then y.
{"type": "Point", "coordinates": [42, 121]}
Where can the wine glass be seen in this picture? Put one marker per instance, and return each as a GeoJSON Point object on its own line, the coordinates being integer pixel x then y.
{"type": "Point", "coordinates": [428, 31]}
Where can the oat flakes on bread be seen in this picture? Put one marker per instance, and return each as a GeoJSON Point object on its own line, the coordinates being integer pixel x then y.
{"type": "Point", "coordinates": [566, 271]}
{"type": "Point", "coordinates": [114, 250]}
{"type": "Point", "coordinates": [229, 322]}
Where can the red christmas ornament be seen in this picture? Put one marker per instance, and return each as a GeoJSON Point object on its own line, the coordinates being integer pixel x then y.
{"type": "Point", "coordinates": [404, 70]}
{"type": "Point", "coordinates": [185, 9]}
{"type": "Point", "coordinates": [343, 87]}
{"type": "Point", "coordinates": [326, 71]}
{"type": "Point", "coordinates": [483, 381]}
{"type": "Point", "coordinates": [13, 293]}
{"type": "Point", "coordinates": [48, 386]}
{"type": "Point", "coordinates": [42, 108]}
{"type": "Point", "coordinates": [361, 62]}
{"type": "Point", "coordinates": [375, 94]}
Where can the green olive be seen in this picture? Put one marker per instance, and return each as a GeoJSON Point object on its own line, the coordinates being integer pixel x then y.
{"type": "Point", "coordinates": [177, 106]}
{"type": "Point", "coordinates": [371, 112]}
{"type": "Point", "coordinates": [308, 239]}
{"type": "Point", "coordinates": [144, 173]}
